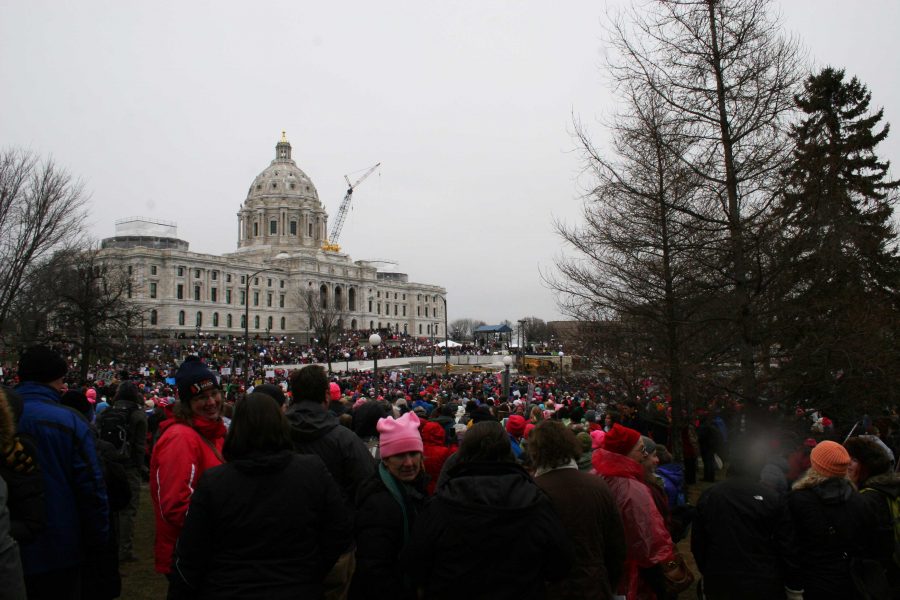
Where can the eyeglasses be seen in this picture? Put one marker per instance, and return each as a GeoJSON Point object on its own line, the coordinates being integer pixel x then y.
{"type": "Point", "coordinates": [216, 394]}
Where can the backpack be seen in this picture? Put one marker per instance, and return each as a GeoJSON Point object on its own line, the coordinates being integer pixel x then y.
{"type": "Point", "coordinates": [114, 426]}
{"type": "Point", "coordinates": [894, 507]}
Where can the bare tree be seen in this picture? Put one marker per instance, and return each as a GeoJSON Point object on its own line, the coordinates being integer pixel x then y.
{"type": "Point", "coordinates": [536, 330]}
{"type": "Point", "coordinates": [89, 301]}
{"type": "Point", "coordinates": [639, 271]}
{"type": "Point", "coordinates": [721, 66]}
{"type": "Point", "coordinates": [461, 329]}
{"type": "Point", "coordinates": [42, 211]}
{"type": "Point", "coordinates": [326, 321]}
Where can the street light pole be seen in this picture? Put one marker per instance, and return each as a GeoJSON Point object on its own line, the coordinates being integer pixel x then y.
{"type": "Point", "coordinates": [247, 317]}
{"type": "Point", "coordinates": [375, 341]}
{"type": "Point", "coordinates": [446, 339]}
{"type": "Point", "coordinates": [432, 348]}
{"type": "Point", "coordinates": [507, 361]}
{"type": "Point", "coordinates": [560, 363]}
{"type": "Point", "coordinates": [347, 359]}
{"type": "Point", "coordinates": [522, 343]}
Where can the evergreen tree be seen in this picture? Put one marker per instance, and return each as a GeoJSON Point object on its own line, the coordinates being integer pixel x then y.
{"type": "Point", "coordinates": [842, 271]}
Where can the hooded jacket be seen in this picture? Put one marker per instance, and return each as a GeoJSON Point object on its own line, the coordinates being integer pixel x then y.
{"type": "Point", "coordinates": [77, 508]}
{"type": "Point", "coordinates": [647, 540]}
{"type": "Point", "coordinates": [672, 475]}
{"type": "Point", "coordinates": [832, 524]}
{"type": "Point", "coordinates": [265, 526]}
{"type": "Point", "coordinates": [180, 457]}
{"type": "Point", "coordinates": [743, 541]}
{"type": "Point", "coordinates": [435, 452]}
{"type": "Point", "coordinates": [316, 431]}
{"type": "Point", "coordinates": [497, 509]}
{"type": "Point", "coordinates": [877, 493]}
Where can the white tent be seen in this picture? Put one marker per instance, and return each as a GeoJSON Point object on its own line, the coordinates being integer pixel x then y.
{"type": "Point", "coordinates": [449, 343]}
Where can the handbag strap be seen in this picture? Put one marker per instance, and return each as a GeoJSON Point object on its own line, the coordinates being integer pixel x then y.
{"type": "Point", "coordinates": [211, 446]}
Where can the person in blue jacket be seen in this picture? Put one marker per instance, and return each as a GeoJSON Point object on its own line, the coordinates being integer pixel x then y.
{"type": "Point", "coordinates": [77, 508]}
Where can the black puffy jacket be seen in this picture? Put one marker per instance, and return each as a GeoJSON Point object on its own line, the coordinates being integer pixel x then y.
{"type": "Point", "coordinates": [743, 541]}
{"type": "Point", "coordinates": [490, 532]}
{"type": "Point", "coordinates": [832, 525]}
{"type": "Point", "coordinates": [266, 527]}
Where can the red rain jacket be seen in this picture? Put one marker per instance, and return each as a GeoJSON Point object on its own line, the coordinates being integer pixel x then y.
{"type": "Point", "coordinates": [179, 458]}
{"type": "Point", "coordinates": [647, 541]}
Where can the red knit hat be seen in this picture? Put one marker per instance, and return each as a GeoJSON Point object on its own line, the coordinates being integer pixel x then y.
{"type": "Point", "coordinates": [621, 439]}
{"type": "Point", "coordinates": [830, 459]}
{"type": "Point", "coordinates": [515, 425]}
{"type": "Point", "coordinates": [397, 436]}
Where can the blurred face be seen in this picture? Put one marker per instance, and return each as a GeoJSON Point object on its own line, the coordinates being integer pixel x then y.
{"type": "Point", "coordinates": [405, 466]}
{"type": "Point", "coordinates": [207, 405]}
{"type": "Point", "coordinates": [853, 471]}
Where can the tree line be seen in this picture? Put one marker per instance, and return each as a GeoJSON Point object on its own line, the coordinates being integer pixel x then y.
{"type": "Point", "coordinates": [738, 236]}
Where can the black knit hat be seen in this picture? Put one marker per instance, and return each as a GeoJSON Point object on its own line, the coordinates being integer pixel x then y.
{"type": "Point", "coordinates": [274, 391]}
{"type": "Point", "coordinates": [130, 392]}
{"type": "Point", "coordinates": [41, 364]}
{"type": "Point", "coordinates": [193, 378]}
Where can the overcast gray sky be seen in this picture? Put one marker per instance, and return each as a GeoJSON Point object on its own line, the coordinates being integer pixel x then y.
{"type": "Point", "coordinates": [170, 109]}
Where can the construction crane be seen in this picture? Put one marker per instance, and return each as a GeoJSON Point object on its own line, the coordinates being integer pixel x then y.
{"type": "Point", "coordinates": [331, 244]}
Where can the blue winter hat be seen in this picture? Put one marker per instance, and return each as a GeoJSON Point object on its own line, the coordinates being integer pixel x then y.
{"type": "Point", "coordinates": [193, 378]}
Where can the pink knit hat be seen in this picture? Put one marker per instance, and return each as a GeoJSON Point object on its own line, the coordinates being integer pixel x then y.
{"type": "Point", "coordinates": [397, 436]}
{"type": "Point", "coordinates": [597, 438]}
{"type": "Point", "coordinates": [91, 395]}
{"type": "Point", "coordinates": [334, 390]}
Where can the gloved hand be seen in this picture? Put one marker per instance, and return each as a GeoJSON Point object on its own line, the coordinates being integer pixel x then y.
{"type": "Point", "coordinates": [793, 594]}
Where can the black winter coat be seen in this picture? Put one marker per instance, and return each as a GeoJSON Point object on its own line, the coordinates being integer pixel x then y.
{"type": "Point", "coordinates": [490, 532]}
{"type": "Point", "coordinates": [379, 538]}
{"type": "Point", "coordinates": [266, 527]}
{"type": "Point", "coordinates": [832, 524]}
{"type": "Point", "coordinates": [316, 431]}
{"type": "Point", "coordinates": [743, 542]}
{"type": "Point", "coordinates": [878, 492]}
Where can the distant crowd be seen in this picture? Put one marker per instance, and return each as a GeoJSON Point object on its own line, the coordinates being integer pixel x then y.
{"type": "Point", "coordinates": [430, 486]}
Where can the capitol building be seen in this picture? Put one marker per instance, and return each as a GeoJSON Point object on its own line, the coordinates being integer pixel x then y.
{"type": "Point", "coordinates": [284, 276]}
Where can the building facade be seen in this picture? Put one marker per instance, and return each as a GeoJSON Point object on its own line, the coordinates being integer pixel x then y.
{"type": "Point", "coordinates": [279, 277]}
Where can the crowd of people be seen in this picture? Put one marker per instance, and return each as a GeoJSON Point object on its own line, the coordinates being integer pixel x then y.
{"type": "Point", "coordinates": [152, 356]}
{"type": "Point", "coordinates": [430, 486]}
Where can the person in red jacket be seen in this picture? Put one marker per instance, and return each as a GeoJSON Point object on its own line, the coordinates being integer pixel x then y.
{"type": "Point", "coordinates": [651, 558]}
{"type": "Point", "coordinates": [190, 444]}
{"type": "Point", "coordinates": [436, 452]}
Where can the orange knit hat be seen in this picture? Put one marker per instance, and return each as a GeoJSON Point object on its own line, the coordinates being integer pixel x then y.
{"type": "Point", "coordinates": [830, 459]}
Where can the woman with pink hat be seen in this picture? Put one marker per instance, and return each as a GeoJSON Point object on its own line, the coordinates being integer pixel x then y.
{"type": "Point", "coordinates": [387, 506]}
